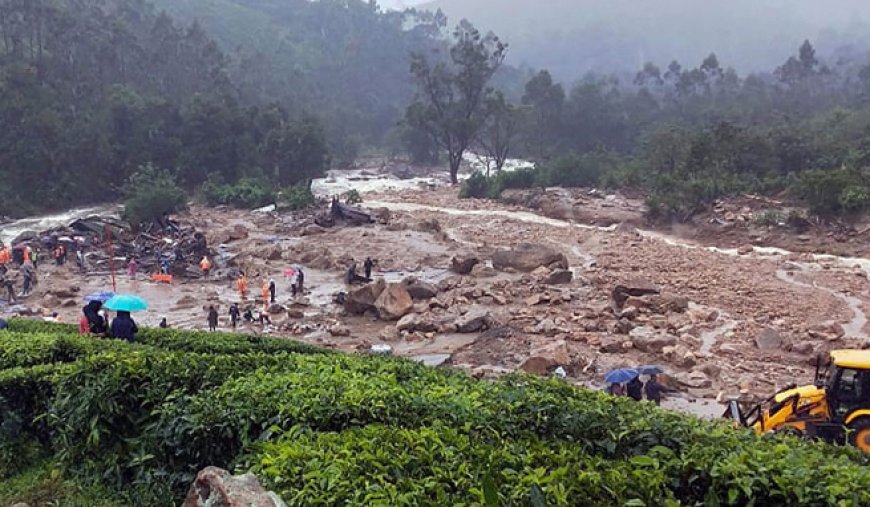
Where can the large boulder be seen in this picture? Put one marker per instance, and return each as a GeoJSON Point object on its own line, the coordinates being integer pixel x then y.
{"type": "Point", "coordinates": [768, 339]}
{"type": "Point", "coordinates": [633, 288]}
{"type": "Point", "coordinates": [650, 340]}
{"type": "Point", "coordinates": [420, 290]}
{"type": "Point", "coordinates": [476, 319]}
{"type": "Point", "coordinates": [463, 265]}
{"type": "Point", "coordinates": [527, 257]}
{"type": "Point", "coordinates": [215, 487]}
{"type": "Point", "coordinates": [362, 300]}
{"type": "Point", "coordinates": [394, 302]}
{"type": "Point", "coordinates": [415, 322]}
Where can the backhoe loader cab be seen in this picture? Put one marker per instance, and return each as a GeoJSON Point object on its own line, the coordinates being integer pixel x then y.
{"type": "Point", "coordinates": [835, 408]}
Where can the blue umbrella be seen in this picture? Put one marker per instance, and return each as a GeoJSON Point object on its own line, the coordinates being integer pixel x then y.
{"type": "Point", "coordinates": [620, 375]}
{"type": "Point", "coordinates": [650, 369]}
{"type": "Point", "coordinates": [126, 303]}
{"type": "Point", "coordinates": [101, 296]}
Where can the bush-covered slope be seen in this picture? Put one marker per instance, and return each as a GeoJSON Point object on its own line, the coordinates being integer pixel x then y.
{"type": "Point", "coordinates": [140, 420]}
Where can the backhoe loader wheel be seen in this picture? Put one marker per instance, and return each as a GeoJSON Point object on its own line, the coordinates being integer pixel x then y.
{"type": "Point", "coordinates": [860, 435]}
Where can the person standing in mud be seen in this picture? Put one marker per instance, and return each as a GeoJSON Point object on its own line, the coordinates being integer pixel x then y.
{"type": "Point", "coordinates": [234, 315]}
{"type": "Point", "coordinates": [272, 290]}
{"type": "Point", "coordinates": [132, 268]}
{"type": "Point", "coordinates": [264, 292]}
{"type": "Point", "coordinates": [7, 284]}
{"type": "Point", "coordinates": [205, 266]}
{"type": "Point", "coordinates": [242, 286]}
{"type": "Point", "coordinates": [27, 278]}
{"type": "Point", "coordinates": [367, 267]}
{"type": "Point", "coordinates": [300, 282]}
{"type": "Point", "coordinates": [212, 319]}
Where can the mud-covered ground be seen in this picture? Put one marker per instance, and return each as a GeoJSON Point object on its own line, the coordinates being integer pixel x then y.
{"type": "Point", "coordinates": [733, 316]}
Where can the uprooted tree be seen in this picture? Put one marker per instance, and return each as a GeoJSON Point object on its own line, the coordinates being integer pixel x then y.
{"type": "Point", "coordinates": [453, 93]}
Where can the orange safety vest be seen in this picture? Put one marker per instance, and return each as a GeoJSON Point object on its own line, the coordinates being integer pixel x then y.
{"type": "Point", "coordinates": [205, 265]}
{"type": "Point", "coordinates": [26, 254]}
{"type": "Point", "coordinates": [242, 285]}
{"type": "Point", "coordinates": [5, 256]}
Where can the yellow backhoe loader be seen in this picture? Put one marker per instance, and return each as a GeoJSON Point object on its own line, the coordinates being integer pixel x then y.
{"type": "Point", "coordinates": [835, 408]}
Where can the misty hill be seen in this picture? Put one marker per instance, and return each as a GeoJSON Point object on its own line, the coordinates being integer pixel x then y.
{"type": "Point", "coordinates": [345, 61]}
{"type": "Point", "coordinates": [571, 37]}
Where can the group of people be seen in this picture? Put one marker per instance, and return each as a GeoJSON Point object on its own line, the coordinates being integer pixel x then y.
{"type": "Point", "coordinates": [637, 389]}
{"type": "Point", "coordinates": [95, 322]}
{"type": "Point", "coordinates": [26, 269]}
{"type": "Point", "coordinates": [351, 277]}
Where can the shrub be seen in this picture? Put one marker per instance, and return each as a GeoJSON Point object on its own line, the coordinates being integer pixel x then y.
{"type": "Point", "coordinates": [296, 197]}
{"type": "Point", "coordinates": [150, 194]}
{"type": "Point", "coordinates": [475, 187]}
{"type": "Point", "coordinates": [834, 192]}
{"type": "Point", "coordinates": [246, 193]}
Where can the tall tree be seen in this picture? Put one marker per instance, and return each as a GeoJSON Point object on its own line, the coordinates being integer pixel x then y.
{"type": "Point", "coordinates": [500, 129]}
{"type": "Point", "coordinates": [451, 97]}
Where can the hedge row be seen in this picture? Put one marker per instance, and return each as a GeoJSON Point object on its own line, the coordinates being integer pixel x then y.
{"type": "Point", "coordinates": [334, 429]}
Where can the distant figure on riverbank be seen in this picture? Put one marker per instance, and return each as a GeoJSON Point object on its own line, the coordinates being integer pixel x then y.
{"type": "Point", "coordinates": [300, 282]}
{"type": "Point", "coordinates": [132, 268]}
{"type": "Point", "coordinates": [164, 324]}
{"type": "Point", "coordinates": [242, 286]}
{"type": "Point", "coordinates": [367, 267]}
{"type": "Point", "coordinates": [205, 266]}
{"type": "Point", "coordinates": [235, 314]}
{"type": "Point", "coordinates": [272, 290]}
{"type": "Point", "coordinates": [124, 327]}
{"type": "Point", "coordinates": [212, 318]}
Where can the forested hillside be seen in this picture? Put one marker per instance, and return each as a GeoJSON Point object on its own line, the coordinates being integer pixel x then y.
{"type": "Point", "coordinates": [92, 90]}
{"type": "Point", "coordinates": [346, 61]}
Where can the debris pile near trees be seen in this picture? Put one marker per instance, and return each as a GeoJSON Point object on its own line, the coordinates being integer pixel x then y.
{"type": "Point", "coordinates": [165, 240]}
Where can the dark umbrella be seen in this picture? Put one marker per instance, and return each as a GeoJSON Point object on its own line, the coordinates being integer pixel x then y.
{"type": "Point", "coordinates": [650, 369]}
{"type": "Point", "coordinates": [620, 375]}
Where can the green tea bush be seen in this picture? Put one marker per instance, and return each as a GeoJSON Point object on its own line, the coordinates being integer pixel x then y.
{"type": "Point", "coordinates": [104, 404]}
{"type": "Point", "coordinates": [440, 465]}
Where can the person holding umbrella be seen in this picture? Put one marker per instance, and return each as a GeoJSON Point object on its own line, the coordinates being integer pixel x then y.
{"type": "Point", "coordinates": [615, 379]}
{"type": "Point", "coordinates": [123, 326]}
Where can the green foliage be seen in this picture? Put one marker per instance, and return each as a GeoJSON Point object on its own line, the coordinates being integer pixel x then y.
{"type": "Point", "coordinates": [834, 192]}
{"type": "Point", "coordinates": [150, 194]}
{"type": "Point", "coordinates": [44, 484]}
{"type": "Point", "coordinates": [246, 193]}
{"type": "Point", "coordinates": [328, 429]}
{"type": "Point", "coordinates": [451, 103]}
{"type": "Point", "coordinates": [296, 197]}
{"type": "Point", "coordinates": [353, 197]}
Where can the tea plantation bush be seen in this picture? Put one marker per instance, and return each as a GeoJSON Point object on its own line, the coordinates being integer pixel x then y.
{"type": "Point", "coordinates": [139, 420]}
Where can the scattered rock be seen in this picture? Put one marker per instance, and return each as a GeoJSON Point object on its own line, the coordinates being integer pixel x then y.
{"type": "Point", "coordinates": [636, 288]}
{"type": "Point", "coordinates": [215, 487]}
{"type": "Point", "coordinates": [648, 339]}
{"type": "Point", "coordinates": [769, 339]}
{"type": "Point", "coordinates": [830, 331]}
{"type": "Point", "coordinates": [276, 309]}
{"type": "Point", "coordinates": [476, 319]}
{"type": "Point", "coordinates": [420, 290]}
{"type": "Point", "coordinates": [394, 302]}
{"type": "Point", "coordinates": [275, 253]}
{"type": "Point", "coordinates": [527, 257]}
{"type": "Point", "coordinates": [539, 365]}
{"type": "Point", "coordinates": [694, 379]}
{"type": "Point", "coordinates": [339, 330]}
{"type": "Point", "coordinates": [414, 322]}
{"type": "Point", "coordinates": [313, 230]}
{"type": "Point", "coordinates": [463, 265]}
{"type": "Point", "coordinates": [238, 232]}
{"type": "Point", "coordinates": [610, 346]}
{"type": "Point", "coordinates": [483, 271]}
{"type": "Point", "coordinates": [559, 277]}
{"type": "Point", "coordinates": [745, 250]}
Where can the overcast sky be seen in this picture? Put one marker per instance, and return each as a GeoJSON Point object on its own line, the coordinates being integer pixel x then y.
{"type": "Point", "coordinates": [398, 4]}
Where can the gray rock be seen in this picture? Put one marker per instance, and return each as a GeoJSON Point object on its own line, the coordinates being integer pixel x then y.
{"type": "Point", "coordinates": [420, 290]}
{"type": "Point", "coordinates": [527, 257]}
{"type": "Point", "coordinates": [463, 265]}
{"type": "Point", "coordinates": [394, 302]}
{"type": "Point", "coordinates": [559, 277]}
{"type": "Point", "coordinates": [648, 339]}
{"type": "Point", "coordinates": [768, 339]}
{"type": "Point", "coordinates": [363, 299]}
{"type": "Point", "coordinates": [215, 487]}
{"type": "Point", "coordinates": [476, 319]}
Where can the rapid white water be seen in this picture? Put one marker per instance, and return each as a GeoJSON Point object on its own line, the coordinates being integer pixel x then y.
{"type": "Point", "coordinates": [10, 230]}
